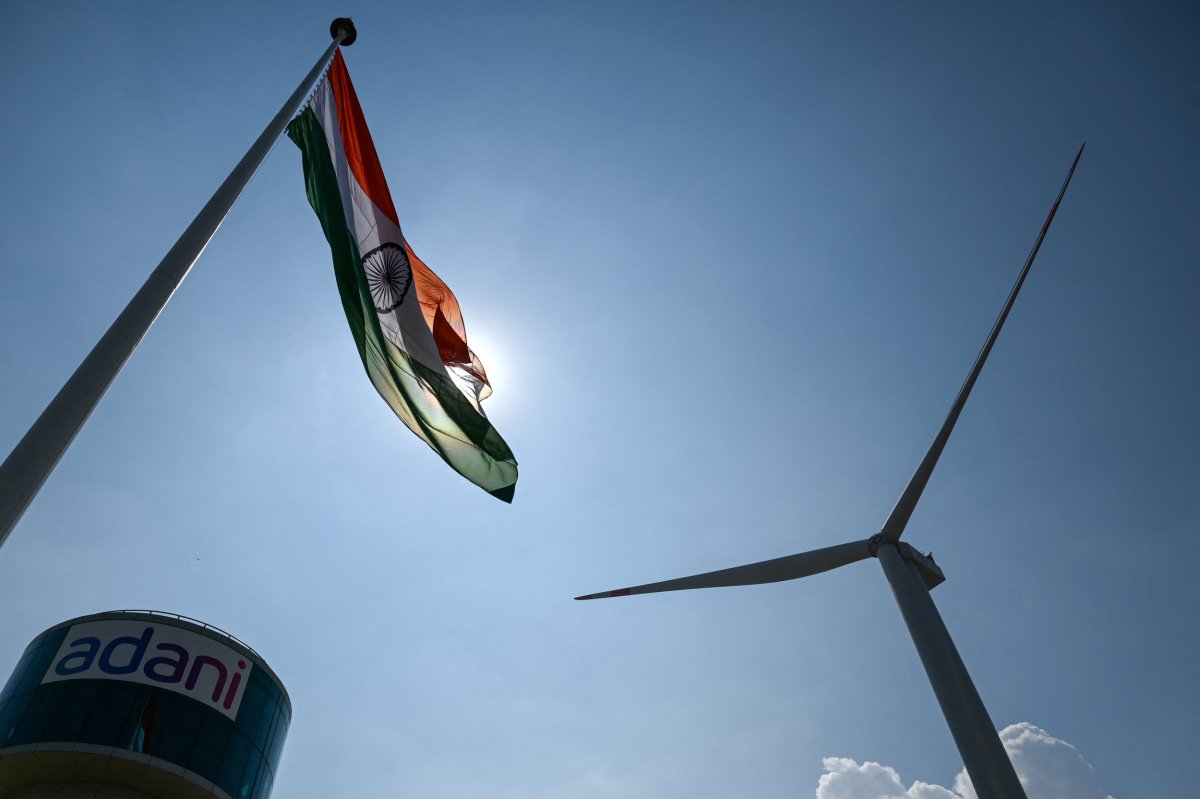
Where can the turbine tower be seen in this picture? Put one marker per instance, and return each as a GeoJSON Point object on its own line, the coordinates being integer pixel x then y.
{"type": "Point", "coordinates": [911, 576]}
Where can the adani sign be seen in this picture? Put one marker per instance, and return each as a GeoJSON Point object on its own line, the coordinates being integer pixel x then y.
{"type": "Point", "coordinates": [153, 654]}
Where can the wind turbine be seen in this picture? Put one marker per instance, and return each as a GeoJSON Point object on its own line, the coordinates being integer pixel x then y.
{"type": "Point", "coordinates": [911, 576]}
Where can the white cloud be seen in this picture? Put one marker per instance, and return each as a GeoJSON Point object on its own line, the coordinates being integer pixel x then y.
{"type": "Point", "coordinates": [846, 779]}
{"type": "Point", "coordinates": [1049, 768]}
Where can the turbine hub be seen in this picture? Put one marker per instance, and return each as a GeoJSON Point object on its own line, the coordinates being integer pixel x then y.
{"type": "Point", "coordinates": [931, 573]}
{"type": "Point", "coordinates": [875, 541]}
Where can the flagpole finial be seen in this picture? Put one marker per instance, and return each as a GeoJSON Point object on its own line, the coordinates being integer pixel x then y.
{"type": "Point", "coordinates": [343, 26]}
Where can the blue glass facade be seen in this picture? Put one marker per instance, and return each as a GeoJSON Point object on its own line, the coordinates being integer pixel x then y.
{"type": "Point", "coordinates": [238, 755]}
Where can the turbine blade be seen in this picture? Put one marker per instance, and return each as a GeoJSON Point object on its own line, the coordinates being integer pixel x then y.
{"type": "Point", "coordinates": [766, 571]}
{"type": "Point", "coordinates": [893, 528]}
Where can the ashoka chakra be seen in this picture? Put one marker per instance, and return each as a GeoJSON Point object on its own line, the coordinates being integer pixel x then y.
{"type": "Point", "coordinates": [388, 275]}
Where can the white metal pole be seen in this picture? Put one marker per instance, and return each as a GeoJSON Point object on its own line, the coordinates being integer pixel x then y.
{"type": "Point", "coordinates": [983, 754]}
{"type": "Point", "coordinates": [38, 452]}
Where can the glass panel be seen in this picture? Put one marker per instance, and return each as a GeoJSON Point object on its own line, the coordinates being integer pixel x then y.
{"type": "Point", "coordinates": [146, 717]}
{"type": "Point", "coordinates": [262, 786]}
{"type": "Point", "coordinates": [254, 703]}
{"type": "Point", "coordinates": [274, 719]}
{"type": "Point", "coordinates": [262, 735]}
{"type": "Point", "coordinates": [8, 720]}
{"type": "Point", "coordinates": [130, 731]}
{"type": "Point", "coordinates": [234, 764]}
{"type": "Point", "coordinates": [113, 705]}
{"type": "Point", "coordinates": [32, 667]}
{"type": "Point", "coordinates": [278, 736]}
{"type": "Point", "coordinates": [253, 763]}
{"type": "Point", "coordinates": [46, 651]}
{"type": "Point", "coordinates": [210, 744]}
{"type": "Point", "coordinates": [72, 711]}
{"type": "Point", "coordinates": [174, 739]}
{"type": "Point", "coordinates": [37, 713]}
{"type": "Point", "coordinates": [149, 724]}
{"type": "Point", "coordinates": [19, 670]}
{"type": "Point", "coordinates": [33, 671]}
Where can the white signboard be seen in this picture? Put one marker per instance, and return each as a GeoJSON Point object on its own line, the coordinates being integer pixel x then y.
{"type": "Point", "coordinates": [153, 654]}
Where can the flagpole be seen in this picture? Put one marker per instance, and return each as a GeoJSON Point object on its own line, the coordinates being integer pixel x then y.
{"type": "Point", "coordinates": [38, 452]}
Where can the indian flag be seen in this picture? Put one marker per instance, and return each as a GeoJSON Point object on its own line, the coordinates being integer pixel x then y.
{"type": "Point", "coordinates": [406, 322]}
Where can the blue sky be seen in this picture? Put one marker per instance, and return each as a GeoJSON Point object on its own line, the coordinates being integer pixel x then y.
{"type": "Point", "coordinates": [727, 266]}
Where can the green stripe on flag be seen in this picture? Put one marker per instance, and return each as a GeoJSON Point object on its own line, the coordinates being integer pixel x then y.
{"type": "Point", "coordinates": [426, 400]}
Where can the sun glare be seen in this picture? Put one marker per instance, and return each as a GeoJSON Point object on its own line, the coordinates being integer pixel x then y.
{"type": "Point", "coordinates": [500, 361]}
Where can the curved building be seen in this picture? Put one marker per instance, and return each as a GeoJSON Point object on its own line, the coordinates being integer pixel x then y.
{"type": "Point", "coordinates": [137, 704]}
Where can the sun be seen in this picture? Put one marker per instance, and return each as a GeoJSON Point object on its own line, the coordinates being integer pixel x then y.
{"type": "Point", "coordinates": [500, 360]}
